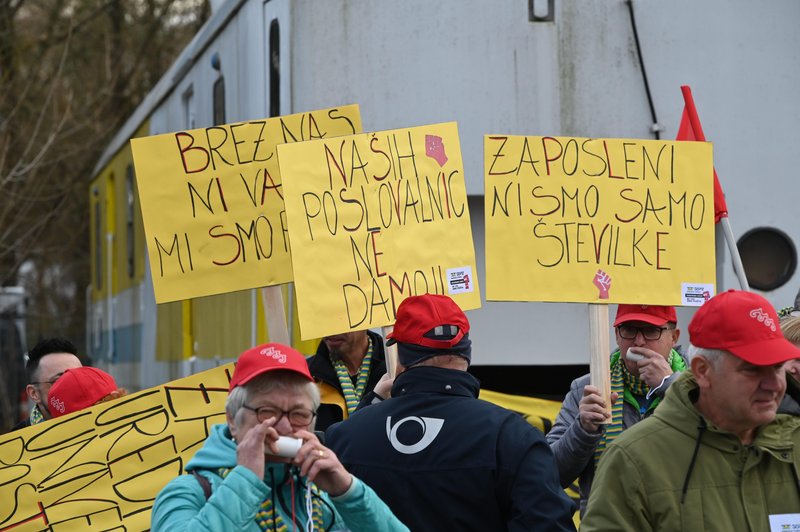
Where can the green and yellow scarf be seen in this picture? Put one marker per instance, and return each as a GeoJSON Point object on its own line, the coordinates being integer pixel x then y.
{"type": "Point", "coordinates": [270, 520]}
{"type": "Point", "coordinates": [628, 387]}
{"type": "Point", "coordinates": [353, 394]}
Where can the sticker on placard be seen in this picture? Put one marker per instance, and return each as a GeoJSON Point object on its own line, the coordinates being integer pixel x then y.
{"type": "Point", "coordinates": [460, 280]}
{"type": "Point", "coordinates": [784, 522]}
{"type": "Point", "coordinates": [694, 294]}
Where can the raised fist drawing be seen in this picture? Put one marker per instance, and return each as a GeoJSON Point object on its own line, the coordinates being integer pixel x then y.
{"type": "Point", "coordinates": [603, 283]}
{"type": "Point", "coordinates": [434, 148]}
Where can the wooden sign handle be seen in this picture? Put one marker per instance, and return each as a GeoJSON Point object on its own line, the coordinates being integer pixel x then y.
{"type": "Point", "coordinates": [391, 353]}
{"type": "Point", "coordinates": [274, 315]}
{"type": "Point", "coordinates": [599, 366]}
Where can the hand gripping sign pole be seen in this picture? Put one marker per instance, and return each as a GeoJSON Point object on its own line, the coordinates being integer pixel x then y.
{"type": "Point", "coordinates": [599, 339]}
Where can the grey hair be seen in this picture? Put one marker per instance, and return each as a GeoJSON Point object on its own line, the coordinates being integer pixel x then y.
{"type": "Point", "coordinates": [713, 356]}
{"type": "Point", "coordinates": [269, 382]}
{"type": "Point", "coordinates": [790, 327]}
{"type": "Point", "coordinates": [236, 399]}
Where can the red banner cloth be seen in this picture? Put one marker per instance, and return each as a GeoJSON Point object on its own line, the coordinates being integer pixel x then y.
{"type": "Point", "coordinates": [690, 129]}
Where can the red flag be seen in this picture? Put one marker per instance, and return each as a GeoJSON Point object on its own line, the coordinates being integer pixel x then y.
{"type": "Point", "coordinates": [690, 129]}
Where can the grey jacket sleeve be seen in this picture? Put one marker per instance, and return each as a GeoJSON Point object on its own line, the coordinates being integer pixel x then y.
{"type": "Point", "coordinates": [572, 446]}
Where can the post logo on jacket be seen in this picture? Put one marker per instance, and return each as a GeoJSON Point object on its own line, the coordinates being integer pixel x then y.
{"type": "Point", "coordinates": [430, 429]}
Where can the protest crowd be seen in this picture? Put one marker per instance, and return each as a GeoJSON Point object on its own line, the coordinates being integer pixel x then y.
{"type": "Point", "coordinates": [387, 431]}
{"type": "Point", "coordinates": [340, 257]}
{"type": "Point", "coordinates": [702, 438]}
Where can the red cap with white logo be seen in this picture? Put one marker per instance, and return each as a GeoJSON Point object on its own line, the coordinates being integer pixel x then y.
{"type": "Point", "coordinates": [79, 388]}
{"type": "Point", "coordinates": [745, 324]}
{"type": "Point", "coordinates": [268, 357]}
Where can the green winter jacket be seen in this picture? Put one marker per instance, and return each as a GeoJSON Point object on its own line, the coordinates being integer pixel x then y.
{"type": "Point", "coordinates": [648, 478]}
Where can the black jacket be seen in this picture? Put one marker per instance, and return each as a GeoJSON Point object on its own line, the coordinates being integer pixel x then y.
{"type": "Point", "coordinates": [333, 409]}
{"type": "Point", "coordinates": [791, 399]}
{"type": "Point", "coordinates": [444, 460]}
{"type": "Point", "coordinates": [21, 425]}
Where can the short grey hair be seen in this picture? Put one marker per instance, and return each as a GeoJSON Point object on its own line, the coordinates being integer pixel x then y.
{"type": "Point", "coordinates": [236, 399]}
{"type": "Point", "coordinates": [268, 382]}
{"type": "Point", "coordinates": [713, 356]}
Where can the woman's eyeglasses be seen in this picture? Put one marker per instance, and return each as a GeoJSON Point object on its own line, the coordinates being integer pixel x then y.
{"type": "Point", "coordinates": [296, 416]}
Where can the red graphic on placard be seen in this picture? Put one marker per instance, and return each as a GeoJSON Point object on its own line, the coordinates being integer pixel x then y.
{"type": "Point", "coordinates": [434, 148]}
{"type": "Point", "coordinates": [603, 283]}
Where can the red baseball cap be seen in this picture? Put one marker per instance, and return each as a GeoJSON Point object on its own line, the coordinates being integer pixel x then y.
{"type": "Point", "coordinates": [268, 357]}
{"type": "Point", "coordinates": [745, 324]}
{"type": "Point", "coordinates": [79, 388]}
{"type": "Point", "coordinates": [652, 314]}
{"type": "Point", "coordinates": [421, 319]}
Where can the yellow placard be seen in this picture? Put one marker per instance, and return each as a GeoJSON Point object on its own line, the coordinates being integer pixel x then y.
{"type": "Point", "coordinates": [101, 468]}
{"type": "Point", "coordinates": [212, 202]}
{"type": "Point", "coordinates": [373, 219]}
{"type": "Point", "coordinates": [598, 220]}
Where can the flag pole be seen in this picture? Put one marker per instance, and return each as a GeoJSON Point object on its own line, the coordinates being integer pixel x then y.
{"type": "Point", "coordinates": [727, 232]}
{"type": "Point", "coordinates": [738, 267]}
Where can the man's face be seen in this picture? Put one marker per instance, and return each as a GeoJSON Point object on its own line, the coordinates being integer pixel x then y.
{"type": "Point", "coordinates": [346, 343]}
{"type": "Point", "coordinates": [666, 340]}
{"type": "Point", "coordinates": [51, 367]}
{"type": "Point", "coordinates": [743, 396]}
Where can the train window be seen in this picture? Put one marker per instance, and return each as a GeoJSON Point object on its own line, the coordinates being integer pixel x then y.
{"type": "Point", "coordinates": [188, 108]}
{"type": "Point", "coordinates": [219, 101]}
{"type": "Point", "coordinates": [129, 236]}
{"type": "Point", "coordinates": [768, 256]}
{"type": "Point", "coordinates": [541, 10]}
{"type": "Point", "coordinates": [274, 69]}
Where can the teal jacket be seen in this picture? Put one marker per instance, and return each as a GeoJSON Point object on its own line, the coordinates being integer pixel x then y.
{"type": "Point", "coordinates": [234, 499]}
{"type": "Point", "coordinates": [678, 471]}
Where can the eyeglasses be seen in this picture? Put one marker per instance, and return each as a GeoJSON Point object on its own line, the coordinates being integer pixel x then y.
{"type": "Point", "coordinates": [296, 416]}
{"type": "Point", "coordinates": [629, 332]}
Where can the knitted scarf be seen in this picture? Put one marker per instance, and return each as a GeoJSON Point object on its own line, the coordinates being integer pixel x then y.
{"type": "Point", "coordinates": [269, 520]}
{"type": "Point", "coordinates": [352, 395]}
{"type": "Point", "coordinates": [36, 416]}
{"type": "Point", "coordinates": [628, 387]}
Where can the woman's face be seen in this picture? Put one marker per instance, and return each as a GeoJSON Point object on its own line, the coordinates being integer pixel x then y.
{"type": "Point", "coordinates": [292, 409]}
